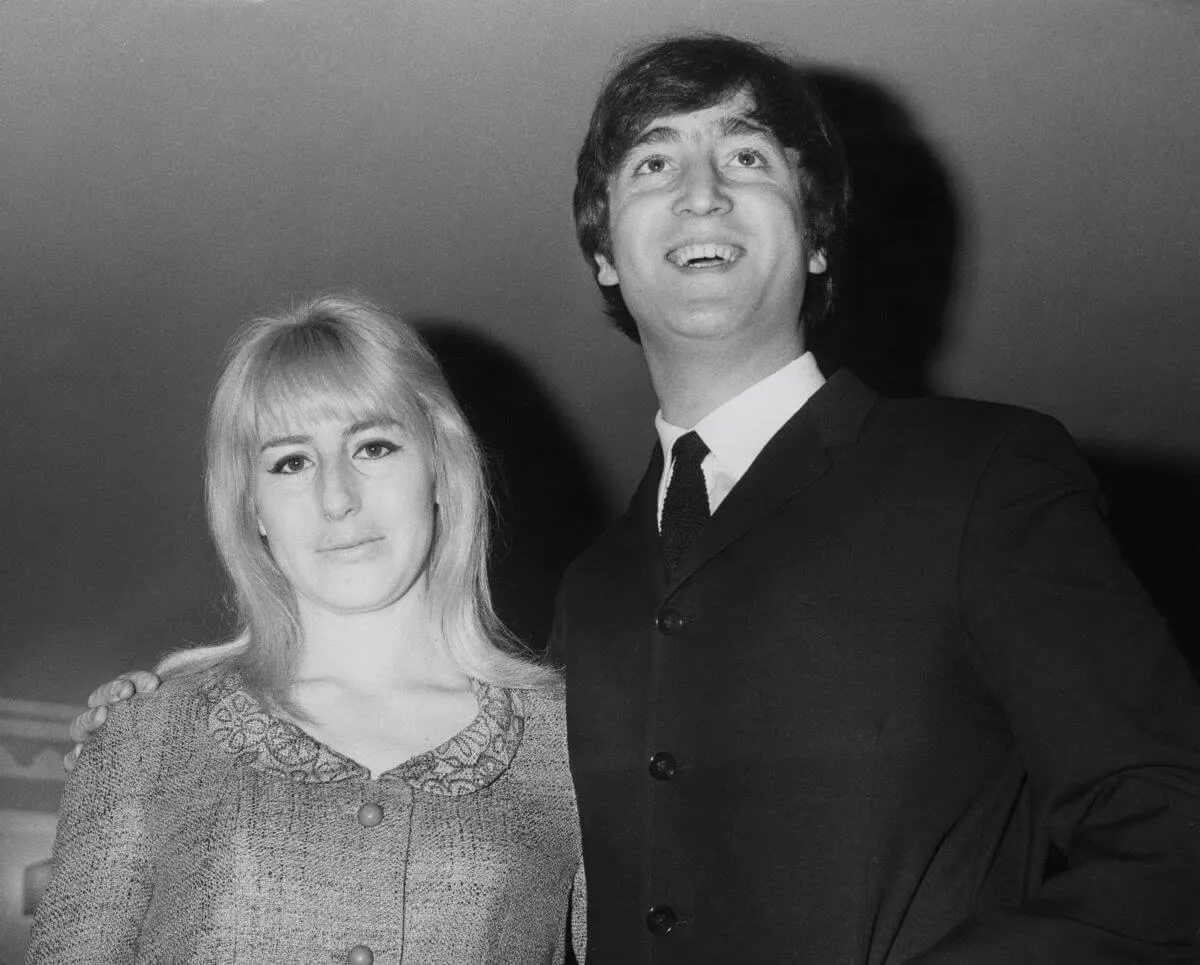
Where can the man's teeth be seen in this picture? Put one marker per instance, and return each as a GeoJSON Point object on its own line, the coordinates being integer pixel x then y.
{"type": "Point", "coordinates": [703, 255]}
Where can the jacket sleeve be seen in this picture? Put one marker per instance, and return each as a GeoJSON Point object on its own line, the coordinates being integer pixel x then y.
{"type": "Point", "coordinates": [93, 908]}
{"type": "Point", "coordinates": [579, 915]}
{"type": "Point", "coordinates": [1105, 715]}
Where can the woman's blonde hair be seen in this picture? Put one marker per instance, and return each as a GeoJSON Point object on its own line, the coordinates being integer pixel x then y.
{"type": "Point", "coordinates": [341, 356]}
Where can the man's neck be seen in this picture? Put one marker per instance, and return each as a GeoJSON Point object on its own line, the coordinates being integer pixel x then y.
{"type": "Point", "coordinates": [692, 381]}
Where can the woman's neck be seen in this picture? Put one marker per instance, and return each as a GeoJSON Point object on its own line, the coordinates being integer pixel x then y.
{"type": "Point", "coordinates": [378, 687]}
{"type": "Point", "coordinates": [396, 648]}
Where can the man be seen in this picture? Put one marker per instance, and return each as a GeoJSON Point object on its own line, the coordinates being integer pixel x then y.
{"type": "Point", "coordinates": [871, 683]}
{"type": "Point", "coordinates": [853, 680]}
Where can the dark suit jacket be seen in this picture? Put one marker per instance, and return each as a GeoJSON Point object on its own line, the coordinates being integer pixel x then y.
{"type": "Point", "coordinates": [916, 707]}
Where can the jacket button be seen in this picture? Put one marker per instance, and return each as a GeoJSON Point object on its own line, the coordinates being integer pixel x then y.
{"type": "Point", "coordinates": [669, 621]}
{"type": "Point", "coordinates": [360, 955]}
{"type": "Point", "coordinates": [370, 815]}
{"type": "Point", "coordinates": [660, 919]}
{"type": "Point", "coordinates": [663, 765]}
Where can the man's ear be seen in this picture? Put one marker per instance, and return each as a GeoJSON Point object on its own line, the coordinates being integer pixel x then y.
{"type": "Point", "coordinates": [817, 263]}
{"type": "Point", "coordinates": [607, 275]}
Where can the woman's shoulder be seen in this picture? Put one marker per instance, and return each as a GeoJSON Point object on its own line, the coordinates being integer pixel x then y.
{"type": "Point", "coordinates": [193, 688]}
{"type": "Point", "coordinates": [142, 732]}
{"type": "Point", "coordinates": [544, 718]}
{"type": "Point", "coordinates": [179, 701]}
{"type": "Point", "coordinates": [546, 703]}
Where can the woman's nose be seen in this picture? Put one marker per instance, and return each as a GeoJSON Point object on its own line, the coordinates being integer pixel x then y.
{"type": "Point", "coordinates": [339, 490]}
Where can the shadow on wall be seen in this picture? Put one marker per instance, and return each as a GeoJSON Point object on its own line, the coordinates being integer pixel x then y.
{"type": "Point", "coordinates": [548, 504]}
{"type": "Point", "coordinates": [889, 323]}
{"type": "Point", "coordinates": [899, 267]}
{"type": "Point", "coordinates": [1154, 504]}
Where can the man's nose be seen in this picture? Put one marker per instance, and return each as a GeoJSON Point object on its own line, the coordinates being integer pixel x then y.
{"type": "Point", "coordinates": [703, 191]}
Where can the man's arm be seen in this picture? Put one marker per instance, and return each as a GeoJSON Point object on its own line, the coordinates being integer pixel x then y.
{"type": "Point", "coordinates": [1105, 715]}
{"type": "Point", "coordinates": [113, 692]}
{"type": "Point", "coordinates": [140, 682]}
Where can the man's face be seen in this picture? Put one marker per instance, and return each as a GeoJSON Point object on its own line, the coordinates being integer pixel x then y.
{"type": "Point", "coordinates": [707, 231]}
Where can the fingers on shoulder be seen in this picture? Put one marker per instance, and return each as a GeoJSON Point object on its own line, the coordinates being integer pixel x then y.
{"type": "Point", "coordinates": [123, 687]}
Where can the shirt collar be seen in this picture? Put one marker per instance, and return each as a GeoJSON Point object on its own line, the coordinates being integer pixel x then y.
{"type": "Point", "coordinates": [737, 431]}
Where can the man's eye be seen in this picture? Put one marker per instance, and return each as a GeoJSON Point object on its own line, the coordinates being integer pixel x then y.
{"type": "Point", "coordinates": [651, 165]}
{"type": "Point", "coordinates": [376, 449]}
{"type": "Point", "coordinates": [290, 465]}
{"type": "Point", "coordinates": [747, 158]}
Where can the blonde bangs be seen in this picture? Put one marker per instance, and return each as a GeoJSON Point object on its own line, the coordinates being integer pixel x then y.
{"type": "Point", "coordinates": [310, 376]}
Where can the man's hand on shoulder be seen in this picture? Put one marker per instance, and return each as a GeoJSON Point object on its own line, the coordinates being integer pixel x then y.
{"type": "Point", "coordinates": [113, 692]}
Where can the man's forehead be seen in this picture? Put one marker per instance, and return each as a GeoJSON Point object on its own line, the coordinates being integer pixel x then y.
{"type": "Point", "coordinates": [733, 110]}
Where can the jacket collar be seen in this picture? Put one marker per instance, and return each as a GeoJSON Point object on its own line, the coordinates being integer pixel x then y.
{"type": "Point", "coordinates": [469, 761]}
{"type": "Point", "coordinates": [792, 461]}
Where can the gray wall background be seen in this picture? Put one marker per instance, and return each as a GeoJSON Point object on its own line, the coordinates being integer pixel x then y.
{"type": "Point", "coordinates": [172, 166]}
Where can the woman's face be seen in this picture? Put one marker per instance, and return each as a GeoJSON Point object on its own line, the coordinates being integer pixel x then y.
{"type": "Point", "coordinates": [348, 510]}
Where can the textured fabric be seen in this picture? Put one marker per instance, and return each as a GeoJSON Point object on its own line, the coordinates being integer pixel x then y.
{"type": "Point", "coordinates": [919, 710]}
{"type": "Point", "coordinates": [737, 431]}
{"type": "Point", "coordinates": [199, 828]}
{"type": "Point", "coordinates": [685, 509]}
{"type": "Point", "coordinates": [470, 760]}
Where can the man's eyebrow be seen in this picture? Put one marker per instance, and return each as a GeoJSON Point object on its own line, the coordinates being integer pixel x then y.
{"type": "Point", "coordinates": [656, 135]}
{"type": "Point", "coordinates": [736, 126]}
{"type": "Point", "coordinates": [733, 125]}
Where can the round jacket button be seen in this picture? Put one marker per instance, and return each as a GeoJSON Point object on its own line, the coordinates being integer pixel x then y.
{"type": "Point", "coordinates": [660, 919]}
{"type": "Point", "coordinates": [663, 765]}
{"type": "Point", "coordinates": [360, 955]}
{"type": "Point", "coordinates": [370, 815]}
{"type": "Point", "coordinates": [669, 621]}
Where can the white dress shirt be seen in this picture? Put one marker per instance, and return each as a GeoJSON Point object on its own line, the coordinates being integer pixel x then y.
{"type": "Point", "coordinates": [737, 431]}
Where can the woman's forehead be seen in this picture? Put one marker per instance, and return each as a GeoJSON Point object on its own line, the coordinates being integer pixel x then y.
{"type": "Point", "coordinates": [290, 413]}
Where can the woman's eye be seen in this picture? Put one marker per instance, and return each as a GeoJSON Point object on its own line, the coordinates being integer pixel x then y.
{"type": "Point", "coordinates": [376, 449]}
{"type": "Point", "coordinates": [289, 465]}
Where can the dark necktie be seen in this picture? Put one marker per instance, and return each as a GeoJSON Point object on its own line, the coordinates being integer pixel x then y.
{"type": "Point", "coordinates": [685, 508]}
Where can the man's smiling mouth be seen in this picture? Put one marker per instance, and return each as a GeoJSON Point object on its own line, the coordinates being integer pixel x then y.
{"type": "Point", "coordinates": [709, 255]}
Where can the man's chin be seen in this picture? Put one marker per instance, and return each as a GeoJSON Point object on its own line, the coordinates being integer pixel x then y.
{"type": "Point", "coordinates": [706, 321]}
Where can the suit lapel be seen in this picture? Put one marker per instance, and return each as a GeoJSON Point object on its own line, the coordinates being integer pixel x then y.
{"type": "Point", "coordinates": [637, 530]}
{"type": "Point", "coordinates": [795, 458]}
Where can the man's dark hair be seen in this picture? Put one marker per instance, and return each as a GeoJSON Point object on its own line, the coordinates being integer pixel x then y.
{"type": "Point", "coordinates": [686, 74]}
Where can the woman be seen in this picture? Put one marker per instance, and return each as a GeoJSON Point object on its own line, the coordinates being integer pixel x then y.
{"type": "Point", "coordinates": [371, 771]}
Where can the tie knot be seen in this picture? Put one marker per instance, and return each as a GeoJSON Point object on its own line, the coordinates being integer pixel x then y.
{"type": "Point", "coordinates": [689, 449]}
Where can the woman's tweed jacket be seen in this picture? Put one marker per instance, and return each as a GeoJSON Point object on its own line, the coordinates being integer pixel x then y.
{"type": "Point", "coordinates": [197, 828]}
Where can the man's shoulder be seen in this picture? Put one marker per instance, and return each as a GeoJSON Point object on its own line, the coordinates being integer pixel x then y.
{"type": "Point", "coordinates": [933, 436]}
{"type": "Point", "coordinates": [942, 430]}
{"type": "Point", "coordinates": [948, 413]}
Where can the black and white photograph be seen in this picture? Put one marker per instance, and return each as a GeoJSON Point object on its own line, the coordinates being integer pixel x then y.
{"type": "Point", "coordinates": [557, 483]}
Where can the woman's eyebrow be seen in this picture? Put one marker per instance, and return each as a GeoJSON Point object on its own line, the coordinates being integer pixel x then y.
{"type": "Point", "coordinates": [382, 422]}
{"type": "Point", "coordinates": [285, 441]}
{"type": "Point", "coordinates": [363, 425]}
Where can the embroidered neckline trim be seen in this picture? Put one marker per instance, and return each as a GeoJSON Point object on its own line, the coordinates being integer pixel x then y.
{"type": "Point", "coordinates": [467, 762]}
